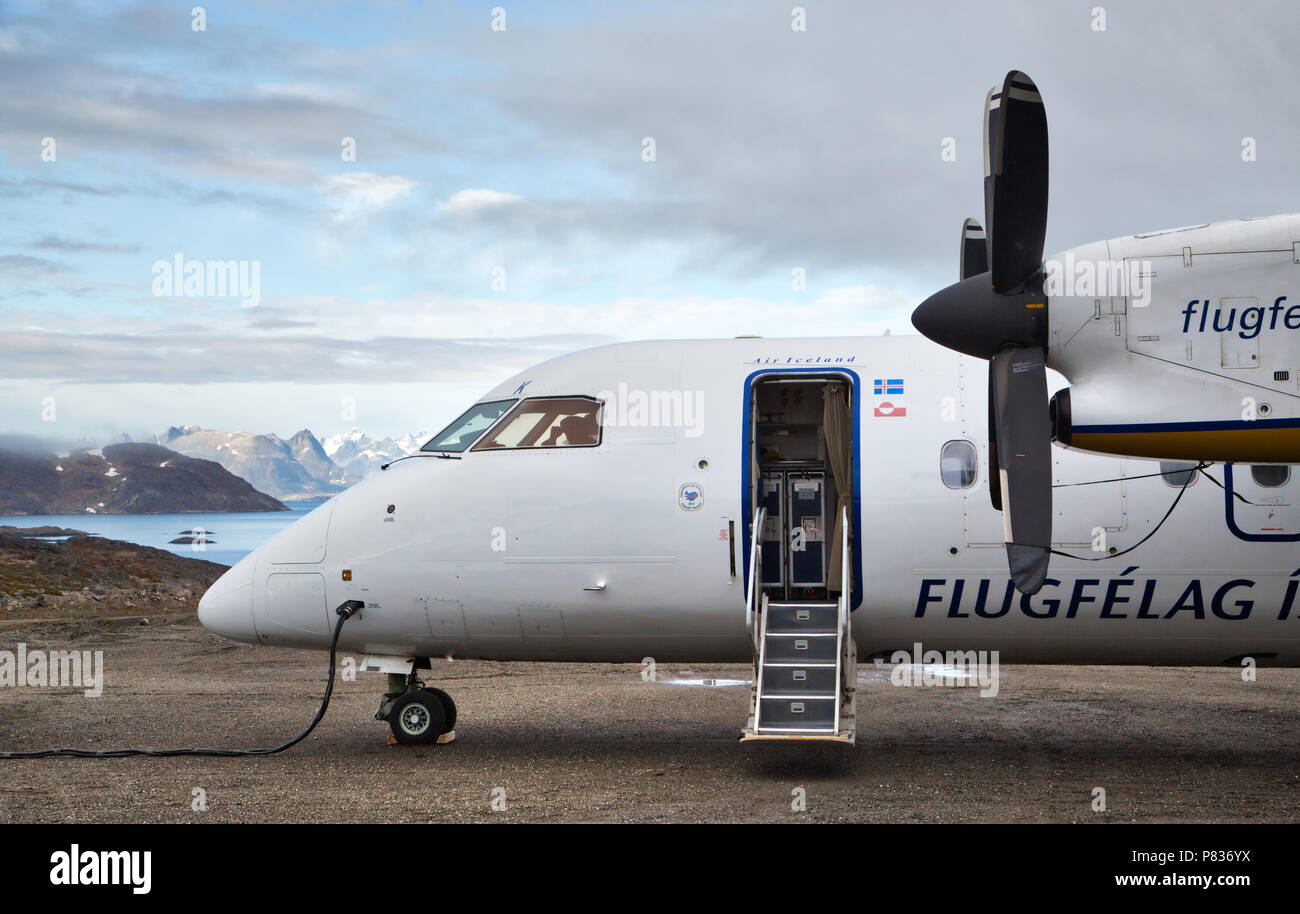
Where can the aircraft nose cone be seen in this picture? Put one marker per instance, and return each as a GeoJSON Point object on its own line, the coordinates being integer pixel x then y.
{"type": "Point", "coordinates": [227, 607]}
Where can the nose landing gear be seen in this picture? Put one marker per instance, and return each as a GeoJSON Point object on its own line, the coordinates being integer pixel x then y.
{"type": "Point", "coordinates": [417, 714]}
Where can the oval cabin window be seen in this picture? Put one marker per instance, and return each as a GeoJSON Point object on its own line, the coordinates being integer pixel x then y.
{"type": "Point", "coordinates": [1178, 473]}
{"type": "Point", "coordinates": [1270, 477]}
{"type": "Point", "coordinates": [957, 464]}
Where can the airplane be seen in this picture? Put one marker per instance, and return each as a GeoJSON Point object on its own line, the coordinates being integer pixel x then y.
{"type": "Point", "coordinates": [1176, 344]}
{"type": "Point", "coordinates": [794, 503]}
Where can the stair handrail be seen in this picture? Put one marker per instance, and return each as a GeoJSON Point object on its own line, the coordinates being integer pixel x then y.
{"type": "Point", "coordinates": [846, 588]}
{"type": "Point", "coordinates": [846, 571]}
{"type": "Point", "coordinates": [755, 570]}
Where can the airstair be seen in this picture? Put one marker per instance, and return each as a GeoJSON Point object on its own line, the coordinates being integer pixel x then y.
{"type": "Point", "coordinates": [805, 661]}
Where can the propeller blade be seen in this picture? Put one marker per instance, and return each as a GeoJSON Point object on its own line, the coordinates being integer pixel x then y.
{"type": "Point", "coordinates": [995, 469]}
{"type": "Point", "coordinates": [1018, 377]}
{"type": "Point", "coordinates": [974, 251]}
{"type": "Point", "coordinates": [1015, 180]}
{"type": "Point", "coordinates": [992, 103]}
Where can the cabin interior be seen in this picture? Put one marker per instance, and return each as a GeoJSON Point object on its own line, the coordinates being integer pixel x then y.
{"type": "Point", "coordinates": [795, 472]}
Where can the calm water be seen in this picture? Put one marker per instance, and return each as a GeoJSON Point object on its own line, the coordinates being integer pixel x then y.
{"type": "Point", "coordinates": [230, 536]}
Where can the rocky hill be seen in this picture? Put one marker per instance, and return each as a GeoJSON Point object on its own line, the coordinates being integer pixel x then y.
{"type": "Point", "coordinates": [88, 576]}
{"type": "Point", "coordinates": [309, 452]}
{"type": "Point", "coordinates": [122, 479]}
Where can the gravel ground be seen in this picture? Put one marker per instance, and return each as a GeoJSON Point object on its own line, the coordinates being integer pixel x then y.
{"type": "Point", "coordinates": [589, 742]}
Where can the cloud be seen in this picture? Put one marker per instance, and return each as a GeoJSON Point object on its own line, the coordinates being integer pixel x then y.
{"type": "Point", "coordinates": [60, 243]}
{"type": "Point", "coordinates": [309, 91]}
{"type": "Point", "coordinates": [473, 200]}
{"type": "Point", "coordinates": [22, 266]}
{"type": "Point", "coordinates": [361, 194]}
{"type": "Point", "coordinates": [45, 189]}
{"type": "Point", "coordinates": [428, 337]}
{"type": "Point", "coordinates": [823, 148]}
{"type": "Point", "coordinates": [136, 82]}
{"type": "Point", "coordinates": [207, 357]}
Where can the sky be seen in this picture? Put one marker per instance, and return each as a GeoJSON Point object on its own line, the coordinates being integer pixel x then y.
{"type": "Point", "coordinates": [434, 196]}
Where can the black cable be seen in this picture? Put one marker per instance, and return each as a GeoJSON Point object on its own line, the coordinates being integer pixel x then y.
{"type": "Point", "coordinates": [1096, 482]}
{"type": "Point", "coordinates": [346, 611]}
{"type": "Point", "coordinates": [1115, 555]}
{"type": "Point", "coordinates": [1237, 495]}
{"type": "Point", "coordinates": [1199, 468]}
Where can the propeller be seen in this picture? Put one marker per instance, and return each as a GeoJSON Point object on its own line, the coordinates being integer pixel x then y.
{"type": "Point", "coordinates": [974, 252]}
{"type": "Point", "coordinates": [997, 311]}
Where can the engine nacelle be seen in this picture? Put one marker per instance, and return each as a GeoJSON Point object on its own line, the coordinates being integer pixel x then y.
{"type": "Point", "coordinates": [1182, 344]}
{"type": "Point", "coordinates": [1110, 417]}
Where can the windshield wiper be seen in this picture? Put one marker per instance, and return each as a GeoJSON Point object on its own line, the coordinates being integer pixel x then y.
{"type": "Point", "coordinates": [385, 466]}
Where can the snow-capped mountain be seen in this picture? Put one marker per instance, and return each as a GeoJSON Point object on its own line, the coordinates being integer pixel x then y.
{"type": "Point", "coordinates": [266, 461]}
{"type": "Point", "coordinates": [302, 466]}
{"type": "Point", "coordinates": [309, 452]}
{"type": "Point", "coordinates": [412, 443]}
{"type": "Point", "coordinates": [359, 454]}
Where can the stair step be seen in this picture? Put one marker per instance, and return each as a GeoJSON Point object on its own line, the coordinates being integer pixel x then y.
{"type": "Point", "coordinates": [842, 737]}
{"type": "Point", "coordinates": [802, 617]}
{"type": "Point", "coordinates": [809, 714]}
{"type": "Point", "coordinates": [799, 681]}
{"type": "Point", "coordinates": [803, 648]}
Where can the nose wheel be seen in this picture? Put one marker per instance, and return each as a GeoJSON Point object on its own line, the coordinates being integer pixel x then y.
{"type": "Point", "coordinates": [448, 708]}
{"type": "Point", "coordinates": [419, 716]}
{"type": "Point", "coordinates": [416, 718]}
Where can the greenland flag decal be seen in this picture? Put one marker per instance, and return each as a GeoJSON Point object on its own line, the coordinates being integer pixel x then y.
{"type": "Point", "coordinates": [891, 389]}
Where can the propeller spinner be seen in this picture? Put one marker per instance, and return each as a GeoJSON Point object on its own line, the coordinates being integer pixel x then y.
{"type": "Point", "coordinates": [998, 311]}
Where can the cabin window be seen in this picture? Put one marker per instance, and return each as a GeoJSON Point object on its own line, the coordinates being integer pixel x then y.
{"type": "Point", "coordinates": [1270, 477]}
{"type": "Point", "coordinates": [957, 463]}
{"type": "Point", "coordinates": [466, 429]}
{"type": "Point", "coordinates": [547, 422]}
{"type": "Point", "coordinates": [1177, 473]}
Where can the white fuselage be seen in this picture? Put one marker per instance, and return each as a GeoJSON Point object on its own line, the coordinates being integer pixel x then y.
{"type": "Point", "coordinates": [590, 553]}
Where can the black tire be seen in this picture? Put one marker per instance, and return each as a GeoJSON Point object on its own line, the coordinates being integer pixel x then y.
{"type": "Point", "coordinates": [448, 708]}
{"type": "Point", "coordinates": [416, 718]}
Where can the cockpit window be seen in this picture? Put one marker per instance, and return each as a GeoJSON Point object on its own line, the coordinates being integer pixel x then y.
{"type": "Point", "coordinates": [547, 422]}
{"type": "Point", "coordinates": [465, 430]}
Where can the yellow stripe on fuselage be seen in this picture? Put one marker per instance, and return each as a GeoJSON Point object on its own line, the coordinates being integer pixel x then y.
{"type": "Point", "coordinates": [1263, 445]}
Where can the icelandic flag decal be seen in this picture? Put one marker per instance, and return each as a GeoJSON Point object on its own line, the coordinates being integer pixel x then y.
{"type": "Point", "coordinates": [891, 389]}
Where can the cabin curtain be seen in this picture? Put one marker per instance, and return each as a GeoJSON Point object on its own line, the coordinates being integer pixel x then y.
{"type": "Point", "coordinates": [835, 426]}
